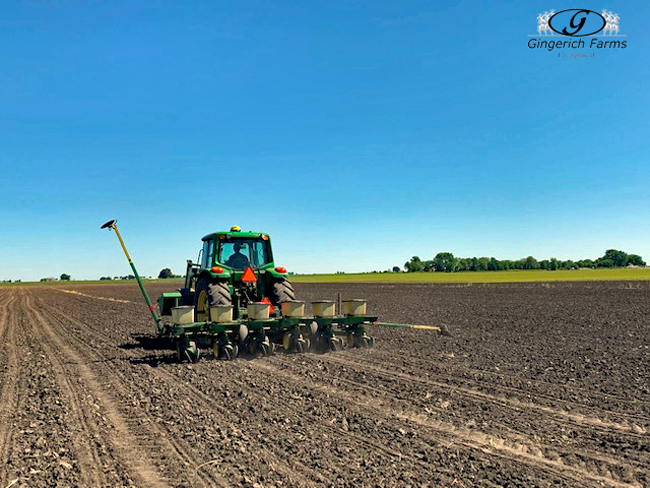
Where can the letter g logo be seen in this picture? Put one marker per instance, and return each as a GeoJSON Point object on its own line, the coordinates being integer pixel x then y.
{"type": "Point", "coordinates": [577, 22]}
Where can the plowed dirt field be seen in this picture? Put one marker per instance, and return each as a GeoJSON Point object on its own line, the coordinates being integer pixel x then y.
{"type": "Point", "coordinates": [539, 385]}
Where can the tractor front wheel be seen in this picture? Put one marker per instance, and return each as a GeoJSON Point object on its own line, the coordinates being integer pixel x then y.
{"type": "Point", "coordinates": [210, 293]}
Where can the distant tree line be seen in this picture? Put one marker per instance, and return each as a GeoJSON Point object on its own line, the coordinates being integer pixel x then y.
{"type": "Point", "coordinates": [164, 274]}
{"type": "Point", "coordinates": [63, 277]}
{"type": "Point", "coordinates": [447, 262]}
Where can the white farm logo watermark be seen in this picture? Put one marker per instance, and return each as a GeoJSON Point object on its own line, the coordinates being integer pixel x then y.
{"type": "Point", "coordinates": [572, 26]}
{"type": "Point", "coordinates": [611, 24]}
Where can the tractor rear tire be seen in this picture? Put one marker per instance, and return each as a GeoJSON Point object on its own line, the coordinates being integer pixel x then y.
{"type": "Point", "coordinates": [282, 292]}
{"type": "Point", "coordinates": [210, 293]}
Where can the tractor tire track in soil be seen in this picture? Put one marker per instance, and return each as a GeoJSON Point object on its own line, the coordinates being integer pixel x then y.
{"type": "Point", "coordinates": [83, 395]}
{"type": "Point", "coordinates": [9, 376]}
{"type": "Point", "coordinates": [505, 384]}
{"type": "Point", "coordinates": [502, 440]}
{"type": "Point", "coordinates": [504, 396]}
{"type": "Point", "coordinates": [139, 436]}
{"type": "Point", "coordinates": [540, 384]}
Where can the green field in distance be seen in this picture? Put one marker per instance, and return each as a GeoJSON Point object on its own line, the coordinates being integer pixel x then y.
{"type": "Point", "coordinates": [512, 276]}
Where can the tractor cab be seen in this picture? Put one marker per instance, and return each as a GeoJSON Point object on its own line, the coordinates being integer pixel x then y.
{"type": "Point", "coordinates": [236, 251]}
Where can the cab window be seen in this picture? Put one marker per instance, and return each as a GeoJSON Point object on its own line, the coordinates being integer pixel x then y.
{"type": "Point", "coordinates": [206, 254]}
{"type": "Point", "coordinates": [241, 253]}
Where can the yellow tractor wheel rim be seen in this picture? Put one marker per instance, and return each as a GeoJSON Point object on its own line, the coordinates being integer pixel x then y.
{"type": "Point", "coordinates": [286, 341]}
{"type": "Point", "coordinates": [202, 307]}
{"type": "Point", "coordinates": [350, 339]}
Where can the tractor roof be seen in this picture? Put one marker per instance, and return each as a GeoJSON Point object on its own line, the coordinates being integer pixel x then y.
{"type": "Point", "coordinates": [245, 235]}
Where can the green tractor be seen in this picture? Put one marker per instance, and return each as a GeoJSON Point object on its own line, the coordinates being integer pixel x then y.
{"type": "Point", "coordinates": [235, 268]}
{"type": "Point", "coordinates": [234, 274]}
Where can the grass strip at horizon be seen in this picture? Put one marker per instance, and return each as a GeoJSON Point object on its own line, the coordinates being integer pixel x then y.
{"type": "Point", "coordinates": [511, 276]}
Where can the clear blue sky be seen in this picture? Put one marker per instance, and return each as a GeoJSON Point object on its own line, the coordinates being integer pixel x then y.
{"type": "Point", "coordinates": [358, 134]}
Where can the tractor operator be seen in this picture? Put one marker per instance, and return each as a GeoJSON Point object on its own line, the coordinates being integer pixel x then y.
{"type": "Point", "coordinates": [238, 260]}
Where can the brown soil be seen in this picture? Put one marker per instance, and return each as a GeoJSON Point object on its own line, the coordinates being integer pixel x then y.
{"type": "Point", "coordinates": [539, 385]}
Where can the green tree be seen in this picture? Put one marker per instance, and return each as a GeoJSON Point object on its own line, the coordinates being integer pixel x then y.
{"type": "Point", "coordinates": [396, 269]}
{"type": "Point", "coordinates": [604, 263]}
{"type": "Point", "coordinates": [65, 277]}
{"type": "Point", "coordinates": [428, 266]}
{"type": "Point", "coordinates": [586, 263]}
{"type": "Point", "coordinates": [444, 261]}
{"type": "Point", "coordinates": [494, 265]}
{"type": "Point", "coordinates": [619, 258]}
{"type": "Point", "coordinates": [482, 264]}
{"type": "Point", "coordinates": [165, 273]}
{"type": "Point", "coordinates": [531, 263]}
{"type": "Point", "coordinates": [414, 265]}
{"type": "Point", "coordinates": [635, 260]}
